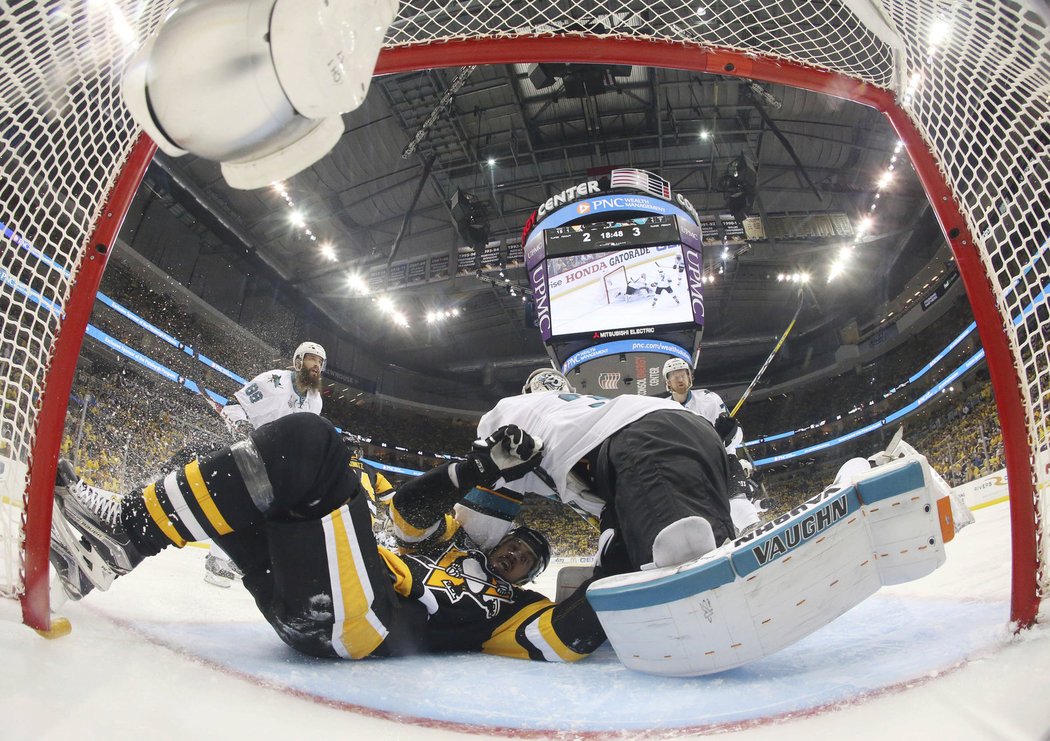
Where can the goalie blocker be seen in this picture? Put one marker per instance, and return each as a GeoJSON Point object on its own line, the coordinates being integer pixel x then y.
{"type": "Point", "coordinates": [776, 585]}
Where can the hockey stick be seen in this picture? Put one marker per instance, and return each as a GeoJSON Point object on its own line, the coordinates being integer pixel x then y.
{"type": "Point", "coordinates": [198, 389]}
{"type": "Point", "coordinates": [776, 349]}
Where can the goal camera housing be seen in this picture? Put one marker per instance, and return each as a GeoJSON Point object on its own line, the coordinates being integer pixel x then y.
{"type": "Point", "coordinates": [256, 85]}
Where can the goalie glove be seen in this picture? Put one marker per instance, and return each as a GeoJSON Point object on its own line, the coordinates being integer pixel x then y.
{"type": "Point", "coordinates": [508, 453]}
{"type": "Point", "coordinates": [726, 427]}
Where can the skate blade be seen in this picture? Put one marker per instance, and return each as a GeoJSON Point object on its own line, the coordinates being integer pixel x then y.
{"type": "Point", "coordinates": [96, 570]}
{"type": "Point", "coordinates": [218, 581]}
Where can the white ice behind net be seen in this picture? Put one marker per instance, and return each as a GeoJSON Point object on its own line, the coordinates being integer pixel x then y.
{"type": "Point", "coordinates": [973, 75]}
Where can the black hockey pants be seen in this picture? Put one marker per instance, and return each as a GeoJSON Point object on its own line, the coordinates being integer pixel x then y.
{"type": "Point", "coordinates": [657, 470]}
{"type": "Point", "coordinates": [291, 513]}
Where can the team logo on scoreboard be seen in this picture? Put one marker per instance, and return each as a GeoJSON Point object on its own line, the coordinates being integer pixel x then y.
{"type": "Point", "coordinates": [609, 381]}
{"type": "Point", "coordinates": [583, 208]}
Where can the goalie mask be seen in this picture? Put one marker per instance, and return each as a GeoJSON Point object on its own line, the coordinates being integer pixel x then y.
{"type": "Point", "coordinates": [309, 348]}
{"type": "Point", "coordinates": [546, 379]}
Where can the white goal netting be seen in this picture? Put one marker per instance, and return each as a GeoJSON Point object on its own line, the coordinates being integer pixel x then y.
{"type": "Point", "coordinates": [973, 76]}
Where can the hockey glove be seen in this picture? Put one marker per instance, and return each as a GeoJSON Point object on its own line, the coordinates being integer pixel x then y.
{"type": "Point", "coordinates": [508, 453]}
{"type": "Point", "coordinates": [737, 478]}
{"type": "Point", "coordinates": [726, 427]}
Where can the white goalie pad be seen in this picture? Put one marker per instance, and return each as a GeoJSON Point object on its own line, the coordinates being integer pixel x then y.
{"type": "Point", "coordinates": [779, 583]}
{"type": "Point", "coordinates": [569, 580]}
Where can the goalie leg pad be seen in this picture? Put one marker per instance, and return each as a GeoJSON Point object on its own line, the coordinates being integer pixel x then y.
{"type": "Point", "coordinates": [570, 578]}
{"type": "Point", "coordinates": [781, 582]}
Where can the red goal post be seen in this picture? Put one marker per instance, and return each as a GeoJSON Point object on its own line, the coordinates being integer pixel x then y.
{"type": "Point", "coordinates": [963, 86]}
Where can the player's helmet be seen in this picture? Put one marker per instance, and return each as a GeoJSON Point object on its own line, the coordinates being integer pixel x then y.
{"type": "Point", "coordinates": [546, 379]}
{"type": "Point", "coordinates": [537, 543]}
{"type": "Point", "coordinates": [356, 443]}
{"type": "Point", "coordinates": [675, 364]}
{"type": "Point", "coordinates": [311, 348]}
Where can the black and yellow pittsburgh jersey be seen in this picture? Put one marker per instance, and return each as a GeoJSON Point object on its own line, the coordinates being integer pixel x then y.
{"type": "Point", "coordinates": [373, 482]}
{"type": "Point", "coordinates": [472, 609]}
{"type": "Point", "coordinates": [469, 607]}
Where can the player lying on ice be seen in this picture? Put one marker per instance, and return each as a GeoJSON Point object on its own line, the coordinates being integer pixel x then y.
{"type": "Point", "coordinates": [290, 511]}
{"type": "Point", "coordinates": [681, 593]}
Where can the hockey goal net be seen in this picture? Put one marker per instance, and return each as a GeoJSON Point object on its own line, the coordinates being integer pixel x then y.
{"type": "Point", "coordinates": [963, 83]}
{"type": "Point", "coordinates": [615, 284]}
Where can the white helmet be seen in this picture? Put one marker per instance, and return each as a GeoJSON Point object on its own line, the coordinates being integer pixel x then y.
{"type": "Point", "coordinates": [311, 348]}
{"type": "Point", "coordinates": [674, 364]}
{"type": "Point", "coordinates": [546, 379]}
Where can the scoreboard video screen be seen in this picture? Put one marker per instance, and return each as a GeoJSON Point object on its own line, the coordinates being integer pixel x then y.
{"type": "Point", "coordinates": [616, 267]}
{"type": "Point", "coordinates": [634, 287]}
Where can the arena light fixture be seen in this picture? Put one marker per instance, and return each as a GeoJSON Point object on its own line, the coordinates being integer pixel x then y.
{"type": "Point", "coordinates": [939, 32]}
{"type": "Point", "coordinates": [120, 24]}
{"type": "Point", "coordinates": [357, 283]}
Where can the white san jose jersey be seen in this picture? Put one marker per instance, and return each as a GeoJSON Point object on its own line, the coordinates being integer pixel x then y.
{"type": "Point", "coordinates": [269, 396]}
{"type": "Point", "coordinates": [709, 405]}
{"type": "Point", "coordinates": [571, 426]}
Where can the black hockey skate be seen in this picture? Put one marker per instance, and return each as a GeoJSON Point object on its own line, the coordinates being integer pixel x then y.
{"type": "Point", "coordinates": [75, 583]}
{"type": "Point", "coordinates": [86, 526]}
{"type": "Point", "coordinates": [221, 572]}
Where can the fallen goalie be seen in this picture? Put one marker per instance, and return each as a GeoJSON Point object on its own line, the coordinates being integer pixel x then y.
{"type": "Point", "coordinates": [883, 521]}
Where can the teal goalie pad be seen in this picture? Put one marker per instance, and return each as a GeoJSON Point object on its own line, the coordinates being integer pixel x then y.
{"type": "Point", "coordinates": [779, 583]}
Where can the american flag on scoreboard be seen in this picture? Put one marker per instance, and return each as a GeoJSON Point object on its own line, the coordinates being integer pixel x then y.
{"type": "Point", "coordinates": [641, 180]}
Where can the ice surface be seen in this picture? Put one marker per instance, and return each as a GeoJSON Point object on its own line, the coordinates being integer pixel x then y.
{"type": "Point", "coordinates": [163, 654]}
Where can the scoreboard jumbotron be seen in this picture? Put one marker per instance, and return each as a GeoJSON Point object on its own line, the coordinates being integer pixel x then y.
{"type": "Point", "coordinates": [610, 235]}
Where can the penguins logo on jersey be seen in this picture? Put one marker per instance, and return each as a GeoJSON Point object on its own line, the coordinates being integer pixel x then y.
{"type": "Point", "coordinates": [462, 575]}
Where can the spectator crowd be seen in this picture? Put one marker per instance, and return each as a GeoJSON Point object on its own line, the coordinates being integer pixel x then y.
{"type": "Point", "coordinates": [125, 422]}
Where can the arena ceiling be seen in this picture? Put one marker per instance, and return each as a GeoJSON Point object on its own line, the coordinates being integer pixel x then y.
{"type": "Point", "coordinates": [512, 141]}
